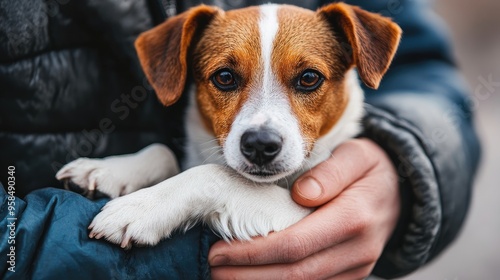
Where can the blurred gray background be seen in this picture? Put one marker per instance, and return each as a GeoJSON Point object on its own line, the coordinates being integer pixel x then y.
{"type": "Point", "coordinates": [475, 30]}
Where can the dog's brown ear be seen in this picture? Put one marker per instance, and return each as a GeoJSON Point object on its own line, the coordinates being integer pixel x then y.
{"type": "Point", "coordinates": [163, 51]}
{"type": "Point", "coordinates": [373, 39]}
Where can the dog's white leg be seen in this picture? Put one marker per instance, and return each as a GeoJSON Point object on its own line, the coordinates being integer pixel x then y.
{"type": "Point", "coordinates": [119, 175]}
{"type": "Point", "coordinates": [234, 206]}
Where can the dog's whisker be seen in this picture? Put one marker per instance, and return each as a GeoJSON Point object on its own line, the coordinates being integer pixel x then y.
{"type": "Point", "coordinates": [217, 149]}
{"type": "Point", "coordinates": [211, 156]}
{"type": "Point", "coordinates": [211, 141]}
{"type": "Point", "coordinates": [309, 164]}
{"type": "Point", "coordinates": [287, 183]}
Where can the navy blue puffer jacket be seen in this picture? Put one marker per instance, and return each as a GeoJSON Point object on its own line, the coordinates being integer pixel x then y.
{"type": "Point", "coordinates": [71, 86]}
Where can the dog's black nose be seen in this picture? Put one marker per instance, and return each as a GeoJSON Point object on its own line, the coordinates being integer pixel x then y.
{"type": "Point", "coordinates": [260, 146]}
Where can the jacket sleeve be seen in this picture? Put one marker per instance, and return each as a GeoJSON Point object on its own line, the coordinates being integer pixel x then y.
{"type": "Point", "coordinates": [421, 115]}
{"type": "Point", "coordinates": [49, 229]}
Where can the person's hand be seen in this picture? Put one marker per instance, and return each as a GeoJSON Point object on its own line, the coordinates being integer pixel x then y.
{"type": "Point", "coordinates": [357, 192]}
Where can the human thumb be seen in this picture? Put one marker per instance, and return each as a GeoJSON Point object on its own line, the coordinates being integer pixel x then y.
{"type": "Point", "coordinates": [348, 163]}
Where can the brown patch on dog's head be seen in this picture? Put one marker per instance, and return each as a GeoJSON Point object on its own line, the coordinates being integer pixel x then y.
{"type": "Point", "coordinates": [306, 42]}
{"type": "Point", "coordinates": [200, 42]}
{"type": "Point", "coordinates": [330, 42]}
{"type": "Point", "coordinates": [230, 42]}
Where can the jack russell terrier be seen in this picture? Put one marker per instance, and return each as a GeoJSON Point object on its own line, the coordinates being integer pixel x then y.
{"type": "Point", "coordinates": [275, 91]}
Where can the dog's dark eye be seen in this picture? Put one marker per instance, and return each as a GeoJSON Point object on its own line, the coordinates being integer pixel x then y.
{"type": "Point", "coordinates": [309, 80]}
{"type": "Point", "coordinates": [224, 80]}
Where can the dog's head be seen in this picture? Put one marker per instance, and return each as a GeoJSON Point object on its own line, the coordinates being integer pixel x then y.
{"type": "Point", "coordinates": [270, 80]}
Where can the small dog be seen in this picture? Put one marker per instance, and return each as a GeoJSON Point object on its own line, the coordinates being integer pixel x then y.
{"type": "Point", "coordinates": [275, 92]}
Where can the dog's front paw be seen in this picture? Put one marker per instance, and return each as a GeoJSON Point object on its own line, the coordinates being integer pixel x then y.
{"type": "Point", "coordinates": [130, 220]}
{"type": "Point", "coordinates": [257, 211]}
{"type": "Point", "coordinates": [119, 175]}
{"type": "Point", "coordinates": [92, 176]}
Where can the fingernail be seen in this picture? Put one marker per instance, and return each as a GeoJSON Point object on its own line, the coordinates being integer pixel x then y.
{"type": "Point", "coordinates": [219, 260]}
{"type": "Point", "coordinates": [309, 188]}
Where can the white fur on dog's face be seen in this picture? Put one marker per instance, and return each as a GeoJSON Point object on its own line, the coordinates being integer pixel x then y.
{"type": "Point", "coordinates": [267, 107]}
